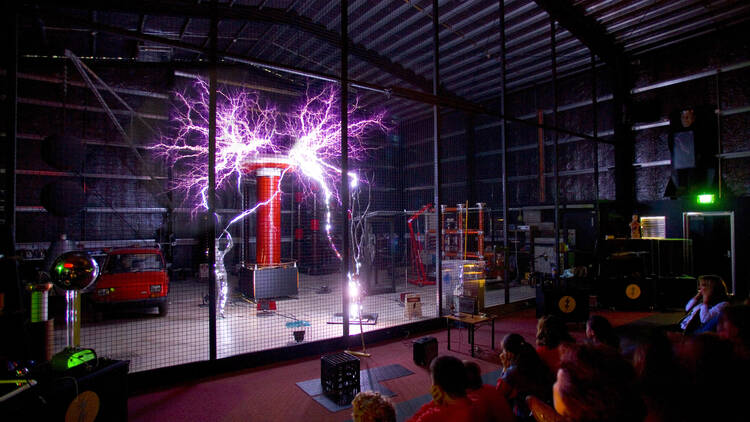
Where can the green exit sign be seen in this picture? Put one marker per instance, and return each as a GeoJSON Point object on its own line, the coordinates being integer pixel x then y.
{"type": "Point", "coordinates": [706, 198]}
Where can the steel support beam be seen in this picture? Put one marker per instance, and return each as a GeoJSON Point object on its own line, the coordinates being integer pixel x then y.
{"type": "Point", "coordinates": [556, 155]}
{"type": "Point", "coordinates": [437, 154]}
{"type": "Point", "coordinates": [585, 28]}
{"type": "Point", "coordinates": [345, 169]}
{"type": "Point", "coordinates": [504, 145]}
{"type": "Point", "coordinates": [253, 13]}
{"type": "Point", "coordinates": [211, 194]}
{"type": "Point", "coordinates": [595, 131]}
{"type": "Point", "coordinates": [11, 97]}
{"type": "Point", "coordinates": [441, 99]}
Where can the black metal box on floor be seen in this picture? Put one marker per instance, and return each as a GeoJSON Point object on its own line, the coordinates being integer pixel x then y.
{"type": "Point", "coordinates": [339, 377]}
{"type": "Point", "coordinates": [425, 350]}
{"type": "Point", "coordinates": [269, 282]}
{"type": "Point", "coordinates": [571, 304]}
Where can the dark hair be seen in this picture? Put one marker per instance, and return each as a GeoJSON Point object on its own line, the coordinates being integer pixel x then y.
{"type": "Point", "coordinates": [449, 374]}
{"type": "Point", "coordinates": [603, 331]}
{"type": "Point", "coordinates": [719, 291]}
{"type": "Point", "coordinates": [525, 358]}
{"type": "Point", "coordinates": [551, 331]}
{"type": "Point", "coordinates": [597, 384]}
{"type": "Point", "coordinates": [473, 375]}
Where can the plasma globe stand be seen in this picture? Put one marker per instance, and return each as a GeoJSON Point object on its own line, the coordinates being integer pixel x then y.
{"type": "Point", "coordinates": [269, 277]}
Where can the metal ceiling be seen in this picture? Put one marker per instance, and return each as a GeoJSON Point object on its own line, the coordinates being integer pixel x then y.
{"type": "Point", "coordinates": [392, 39]}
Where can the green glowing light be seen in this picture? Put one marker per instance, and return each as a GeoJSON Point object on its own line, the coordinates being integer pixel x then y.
{"type": "Point", "coordinates": [706, 198]}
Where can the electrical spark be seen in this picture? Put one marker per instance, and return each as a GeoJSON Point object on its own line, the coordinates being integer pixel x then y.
{"type": "Point", "coordinates": [308, 138]}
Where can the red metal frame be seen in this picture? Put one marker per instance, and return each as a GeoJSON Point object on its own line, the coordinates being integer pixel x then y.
{"type": "Point", "coordinates": [416, 248]}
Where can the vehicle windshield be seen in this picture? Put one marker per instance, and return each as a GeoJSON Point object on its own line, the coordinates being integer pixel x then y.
{"type": "Point", "coordinates": [133, 263]}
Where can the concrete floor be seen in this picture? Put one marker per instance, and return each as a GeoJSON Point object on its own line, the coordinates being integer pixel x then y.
{"type": "Point", "coordinates": [150, 341]}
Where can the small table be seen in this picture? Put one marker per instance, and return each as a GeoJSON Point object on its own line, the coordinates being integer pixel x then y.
{"type": "Point", "coordinates": [472, 321]}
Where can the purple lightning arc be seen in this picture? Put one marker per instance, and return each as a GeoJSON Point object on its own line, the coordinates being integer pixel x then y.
{"type": "Point", "coordinates": [308, 139]}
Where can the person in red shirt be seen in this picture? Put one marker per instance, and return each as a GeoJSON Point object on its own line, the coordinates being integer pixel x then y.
{"type": "Point", "coordinates": [449, 402]}
{"type": "Point", "coordinates": [489, 404]}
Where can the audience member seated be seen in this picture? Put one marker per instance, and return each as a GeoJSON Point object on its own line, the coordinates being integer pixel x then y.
{"type": "Point", "coordinates": [716, 378]}
{"type": "Point", "coordinates": [488, 403]}
{"type": "Point", "coordinates": [369, 406]}
{"type": "Point", "coordinates": [449, 402]}
{"type": "Point", "coordinates": [703, 309]}
{"type": "Point", "coordinates": [524, 373]}
{"type": "Point", "coordinates": [551, 331]}
{"type": "Point", "coordinates": [660, 379]}
{"type": "Point", "coordinates": [595, 383]}
{"type": "Point", "coordinates": [599, 331]}
{"type": "Point", "coordinates": [734, 326]}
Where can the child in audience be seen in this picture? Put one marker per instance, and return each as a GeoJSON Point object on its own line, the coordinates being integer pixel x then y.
{"type": "Point", "coordinates": [369, 406]}
{"type": "Point", "coordinates": [595, 383]}
{"type": "Point", "coordinates": [551, 331]}
{"type": "Point", "coordinates": [524, 373]}
{"type": "Point", "coordinates": [703, 309]}
{"type": "Point", "coordinates": [600, 331]}
{"type": "Point", "coordinates": [449, 402]}
{"type": "Point", "coordinates": [489, 404]}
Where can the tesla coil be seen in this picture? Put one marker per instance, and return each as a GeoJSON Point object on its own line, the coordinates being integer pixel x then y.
{"type": "Point", "coordinates": [269, 277]}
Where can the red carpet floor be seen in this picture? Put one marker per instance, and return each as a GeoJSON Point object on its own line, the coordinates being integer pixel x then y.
{"type": "Point", "coordinates": [269, 393]}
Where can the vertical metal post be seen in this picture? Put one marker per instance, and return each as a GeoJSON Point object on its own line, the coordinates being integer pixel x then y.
{"type": "Point", "coordinates": [436, 156]}
{"type": "Point", "coordinates": [12, 127]}
{"type": "Point", "coordinates": [555, 164]}
{"type": "Point", "coordinates": [505, 150]}
{"type": "Point", "coordinates": [719, 149]}
{"type": "Point", "coordinates": [345, 165]}
{"type": "Point", "coordinates": [595, 132]}
{"type": "Point", "coordinates": [211, 222]}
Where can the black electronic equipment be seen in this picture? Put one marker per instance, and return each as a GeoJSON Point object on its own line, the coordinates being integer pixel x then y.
{"type": "Point", "coordinates": [425, 350]}
{"type": "Point", "coordinates": [467, 305]}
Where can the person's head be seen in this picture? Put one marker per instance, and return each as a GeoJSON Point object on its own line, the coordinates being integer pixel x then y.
{"type": "Point", "coordinates": [687, 117]}
{"type": "Point", "coordinates": [734, 324]}
{"type": "Point", "coordinates": [369, 406]}
{"type": "Point", "coordinates": [713, 288]}
{"type": "Point", "coordinates": [473, 375]}
{"type": "Point", "coordinates": [595, 383]}
{"type": "Point", "coordinates": [551, 331]}
{"type": "Point", "coordinates": [600, 331]}
{"type": "Point", "coordinates": [514, 346]}
{"type": "Point", "coordinates": [448, 378]}
{"type": "Point", "coordinates": [653, 354]}
{"type": "Point", "coordinates": [713, 372]}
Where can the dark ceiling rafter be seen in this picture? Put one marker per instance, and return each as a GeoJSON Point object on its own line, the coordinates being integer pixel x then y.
{"type": "Point", "coordinates": [590, 32]}
{"type": "Point", "coordinates": [237, 12]}
{"type": "Point", "coordinates": [444, 99]}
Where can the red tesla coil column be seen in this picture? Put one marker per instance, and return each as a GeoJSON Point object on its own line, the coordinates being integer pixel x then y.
{"type": "Point", "coordinates": [269, 277]}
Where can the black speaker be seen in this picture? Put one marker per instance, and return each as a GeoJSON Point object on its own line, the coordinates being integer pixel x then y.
{"type": "Point", "coordinates": [572, 305]}
{"type": "Point", "coordinates": [425, 350]}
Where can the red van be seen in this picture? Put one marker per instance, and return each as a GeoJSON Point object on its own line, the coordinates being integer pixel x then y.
{"type": "Point", "coordinates": [132, 277]}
